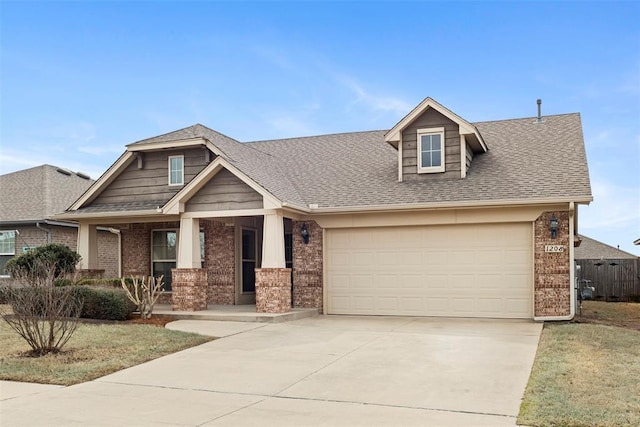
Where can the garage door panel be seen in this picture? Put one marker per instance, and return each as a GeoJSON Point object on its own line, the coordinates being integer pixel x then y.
{"type": "Point", "coordinates": [455, 270]}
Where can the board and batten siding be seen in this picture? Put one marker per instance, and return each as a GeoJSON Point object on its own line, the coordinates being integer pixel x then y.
{"type": "Point", "coordinates": [151, 182]}
{"type": "Point", "coordinates": [224, 191]}
{"type": "Point", "coordinates": [431, 119]}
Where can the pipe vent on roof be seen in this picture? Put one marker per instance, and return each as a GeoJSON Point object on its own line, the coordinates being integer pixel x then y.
{"type": "Point", "coordinates": [539, 102]}
{"type": "Point", "coordinates": [82, 175]}
{"type": "Point", "coordinates": [64, 171]}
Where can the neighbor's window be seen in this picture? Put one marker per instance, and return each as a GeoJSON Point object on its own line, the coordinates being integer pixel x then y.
{"type": "Point", "coordinates": [164, 254]}
{"type": "Point", "coordinates": [176, 170]}
{"type": "Point", "coordinates": [7, 249]}
{"type": "Point", "coordinates": [430, 150]}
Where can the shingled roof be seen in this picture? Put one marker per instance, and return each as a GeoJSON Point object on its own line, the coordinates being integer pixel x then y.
{"type": "Point", "coordinates": [38, 193]}
{"type": "Point", "coordinates": [594, 249]}
{"type": "Point", "coordinates": [528, 161]}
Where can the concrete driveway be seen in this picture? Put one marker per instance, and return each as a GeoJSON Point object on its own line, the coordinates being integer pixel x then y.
{"type": "Point", "coordinates": [328, 370]}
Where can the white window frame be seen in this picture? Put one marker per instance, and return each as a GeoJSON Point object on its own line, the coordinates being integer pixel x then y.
{"type": "Point", "coordinates": [175, 184]}
{"type": "Point", "coordinates": [202, 238]}
{"type": "Point", "coordinates": [430, 131]}
{"type": "Point", "coordinates": [12, 254]}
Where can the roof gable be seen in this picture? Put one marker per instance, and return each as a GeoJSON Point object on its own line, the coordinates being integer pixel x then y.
{"type": "Point", "coordinates": [474, 138]}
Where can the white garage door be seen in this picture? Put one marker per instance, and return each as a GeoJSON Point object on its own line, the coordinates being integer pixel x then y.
{"type": "Point", "coordinates": [454, 270]}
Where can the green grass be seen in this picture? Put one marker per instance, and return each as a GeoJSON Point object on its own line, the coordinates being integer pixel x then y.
{"type": "Point", "coordinates": [584, 375]}
{"type": "Point", "coordinates": [94, 350]}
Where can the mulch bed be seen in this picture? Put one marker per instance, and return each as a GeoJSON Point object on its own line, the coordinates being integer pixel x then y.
{"type": "Point", "coordinates": [155, 320]}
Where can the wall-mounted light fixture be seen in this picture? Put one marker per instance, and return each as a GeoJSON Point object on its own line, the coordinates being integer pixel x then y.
{"type": "Point", "coordinates": [553, 226]}
{"type": "Point", "coordinates": [304, 233]}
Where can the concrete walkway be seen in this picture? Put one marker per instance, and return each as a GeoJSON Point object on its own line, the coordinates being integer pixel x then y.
{"type": "Point", "coordinates": [320, 371]}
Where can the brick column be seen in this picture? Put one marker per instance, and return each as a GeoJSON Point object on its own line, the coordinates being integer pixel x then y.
{"type": "Point", "coordinates": [552, 280]}
{"type": "Point", "coordinates": [307, 266]}
{"type": "Point", "coordinates": [189, 287]}
{"type": "Point", "coordinates": [273, 290]}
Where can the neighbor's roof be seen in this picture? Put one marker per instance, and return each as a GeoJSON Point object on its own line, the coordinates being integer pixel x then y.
{"type": "Point", "coordinates": [38, 193]}
{"type": "Point", "coordinates": [593, 249]}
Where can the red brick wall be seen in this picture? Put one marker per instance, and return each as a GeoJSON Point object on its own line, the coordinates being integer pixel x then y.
{"type": "Point", "coordinates": [107, 244]}
{"type": "Point", "coordinates": [220, 262]}
{"type": "Point", "coordinates": [273, 290]}
{"type": "Point", "coordinates": [307, 266]}
{"type": "Point", "coordinates": [552, 280]}
{"type": "Point", "coordinates": [136, 247]}
{"type": "Point", "coordinates": [189, 289]}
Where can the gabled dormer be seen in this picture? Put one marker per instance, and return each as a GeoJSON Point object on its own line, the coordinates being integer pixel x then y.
{"type": "Point", "coordinates": [434, 143]}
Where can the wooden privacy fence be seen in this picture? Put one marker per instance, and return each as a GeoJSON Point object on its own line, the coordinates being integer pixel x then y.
{"type": "Point", "coordinates": [614, 279]}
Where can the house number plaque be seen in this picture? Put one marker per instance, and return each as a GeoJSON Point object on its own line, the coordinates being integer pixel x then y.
{"type": "Point", "coordinates": [554, 248]}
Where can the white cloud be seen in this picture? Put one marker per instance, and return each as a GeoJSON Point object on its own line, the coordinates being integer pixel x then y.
{"type": "Point", "coordinates": [375, 102]}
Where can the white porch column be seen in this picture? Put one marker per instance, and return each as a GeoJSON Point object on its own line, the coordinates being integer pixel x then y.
{"type": "Point", "coordinates": [273, 240]}
{"type": "Point", "coordinates": [88, 246]}
{"type": "Point", "coordinates": [189, 243]}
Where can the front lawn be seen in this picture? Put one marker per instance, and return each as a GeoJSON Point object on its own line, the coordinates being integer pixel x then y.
{"type": "Point", "coordinates": [586, 374]}
{"type": "Point", "coordinates": [94, 350]}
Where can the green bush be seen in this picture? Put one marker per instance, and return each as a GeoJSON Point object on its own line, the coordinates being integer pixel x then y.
{"type": "Point", "coordinates": [104, 304]}
{"type": "Point", "coordinates": [33, 261]}
{"type": "Point", "coordinates": [62, 282]}
{"type": "Point", "coordinates": [113, 282]}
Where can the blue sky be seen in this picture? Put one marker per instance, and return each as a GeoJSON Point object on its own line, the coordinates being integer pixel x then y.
{"type": "Point", "coordinates": [79, 80]}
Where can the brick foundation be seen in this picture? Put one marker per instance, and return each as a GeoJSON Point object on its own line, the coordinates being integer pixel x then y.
{"type": "Point", "coordinates": [307, 266]}
{"type": "Point", "coordinates": [273, 290]}
{"type": "Point", "coordinates": [552, 279]}
{"type": "Point", "coordinates": [189, 289]}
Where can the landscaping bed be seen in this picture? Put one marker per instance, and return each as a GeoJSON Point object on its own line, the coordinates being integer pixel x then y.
{"type": "Point", "coordinates": [586, 371]}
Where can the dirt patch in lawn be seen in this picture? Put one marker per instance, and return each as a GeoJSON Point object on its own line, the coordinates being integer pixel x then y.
{"type": "Point", "coordinates": [621, 314]}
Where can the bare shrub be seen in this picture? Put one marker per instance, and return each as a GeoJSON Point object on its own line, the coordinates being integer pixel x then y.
{"type": "Point", "coordinates": [46, 316]}
{"type": "Point", "coordinates": [143, 292]}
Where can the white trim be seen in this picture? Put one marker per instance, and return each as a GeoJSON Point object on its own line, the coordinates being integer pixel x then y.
{"type": "Point", "coordinates": [430, 131]}
{"type": "Point", "coordinates": [154, 146]}
{"type": "Point", "coordinates": [124, 214]}
{"type": "Point", "coordinates": [176, 184]}
{"type": "Point", "coordinates": [464, 126]}
{"type": "Point", "coordinates": [400, 159]}
{"type": "Point", "coordinates": [225, 214]}
{"type": "Point", "coordinates": [463, 156]}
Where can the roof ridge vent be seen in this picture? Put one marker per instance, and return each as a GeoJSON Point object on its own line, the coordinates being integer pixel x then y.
{"type": "Point", "coordinates": [83, 175]}
{"type": "Point", "coordinates": [539, 119]}
{"type": "Point", "coordinates": [64, 171]}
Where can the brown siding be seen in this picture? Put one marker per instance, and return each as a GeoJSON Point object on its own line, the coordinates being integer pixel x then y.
{"type": "Point", "coordinates": [429, 119]}
{"type": "Point", "coordinates": [225, 191]}
{"type": "Point", "coordinates": [151, 181]}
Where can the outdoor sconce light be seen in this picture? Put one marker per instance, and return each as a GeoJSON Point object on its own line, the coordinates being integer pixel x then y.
{"type": "Point", "coordinates": [304, 233]}
{"type": "Point", "coordinates": [553, 226]}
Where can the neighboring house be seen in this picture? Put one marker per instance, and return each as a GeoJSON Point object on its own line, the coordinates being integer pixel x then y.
{"type": "Point", "coordinates": [615, 274]}
{"type": "Point", "coordinates": [434, 217]}
{"type": "Point", "coordinates": [30, 198]}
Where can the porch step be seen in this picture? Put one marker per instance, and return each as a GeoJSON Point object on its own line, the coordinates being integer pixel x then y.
{"type": "Point", "coordinates": [235, 313]}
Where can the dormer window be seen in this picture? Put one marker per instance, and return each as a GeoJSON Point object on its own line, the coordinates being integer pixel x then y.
{"type": "Point", "coordinates": [431, 150]}
{"type": "Point", "coordinates": [176, 170]}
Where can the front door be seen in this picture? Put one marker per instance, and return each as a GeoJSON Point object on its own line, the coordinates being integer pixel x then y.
{"type": "Point", "coordinates": [249, 261]}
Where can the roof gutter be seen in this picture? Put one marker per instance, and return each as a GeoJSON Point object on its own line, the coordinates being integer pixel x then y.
{"type": "Point", "coordinates": [446, 205]}
{"type": "Point", "coordinates": [97, 215]}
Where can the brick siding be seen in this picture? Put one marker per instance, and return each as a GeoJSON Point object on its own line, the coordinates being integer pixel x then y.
{"type": "Point", "coordinates": [307, 266]}
{"type": "Point", "coordinates": [552, 280]}
{"type": "Point", "coordinates": [189, 289]}
{"type": "Point", "coordinates": [220, 262]}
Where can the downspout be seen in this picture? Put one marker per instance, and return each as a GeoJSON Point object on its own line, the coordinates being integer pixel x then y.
{"type": "Point", "coordinates": [46, 230]}
{"type": "Point", "coordinates": [119, 234]}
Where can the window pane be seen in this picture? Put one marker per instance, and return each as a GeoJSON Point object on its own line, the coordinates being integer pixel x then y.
{"type": "Point", "coordinates": [7, 242]}
{"type": "Point", "coordinates": [436, 158]}
{"type": "Point", "coordinates": [202, 246]}
{"type": "Point", "coordinates": [248, 244]}
{"type": "Point", "coordinates": [175, 170]}
{"type": "Point", "coordinates": [164, 269]}
{"type": "Point", "coordinates": [426, 159]}
{"type": "Point", "coordinates": [248, 276]}
{"type": "Point", "coordinates": [435, 142]}
{"type": "Point", "coordinates": [164, 245]}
